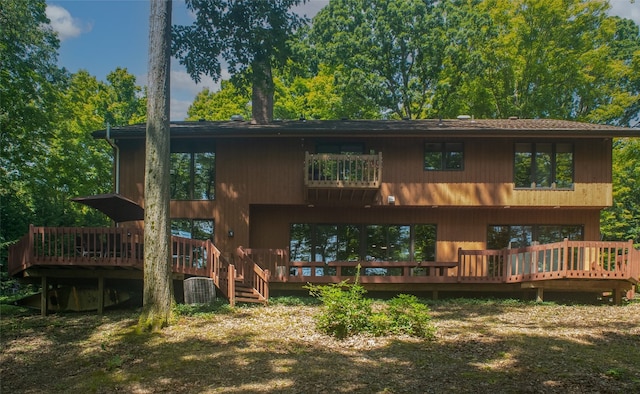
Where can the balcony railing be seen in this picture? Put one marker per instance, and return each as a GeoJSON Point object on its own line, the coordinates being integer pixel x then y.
{"type": "Point", "coordinates": [351, 171]}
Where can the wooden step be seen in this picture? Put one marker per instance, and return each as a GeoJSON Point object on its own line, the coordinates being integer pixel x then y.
{"type": "Point", "coordinates": [245, 293]}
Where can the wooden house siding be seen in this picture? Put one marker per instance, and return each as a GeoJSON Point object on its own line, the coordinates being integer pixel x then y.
{"type": "Point", "coordinates": [260, 190]}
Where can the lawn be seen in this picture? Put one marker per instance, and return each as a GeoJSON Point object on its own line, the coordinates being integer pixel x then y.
{"type": "Point", "coordinates": [480, 347]}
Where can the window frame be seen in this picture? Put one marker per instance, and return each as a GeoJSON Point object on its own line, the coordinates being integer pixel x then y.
{"type": "Point", "coordinates": [312, 246]}
{"type": "Point", "coordinates": [534, 235]}
{"type": "Point", "coordinates": [192, 226]}
{"type": "Point", "coordinates": [533, 171]}
{"type": "Point", "coordinates": [445, 154]}
{"type": "Point", "coordinates": [192, 148]}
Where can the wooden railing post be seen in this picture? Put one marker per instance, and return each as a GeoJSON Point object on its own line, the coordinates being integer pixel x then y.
{"type": "Point", "coordinates": [460, 265]}
{"type": "Point", "coordinates": [565, 257]}
{"type": "Point", "coordinates": [231, 285]}
{"type": "Point", "coordinates": [30, 249]}
{"type": "Point", "coordinates": [506, 263]}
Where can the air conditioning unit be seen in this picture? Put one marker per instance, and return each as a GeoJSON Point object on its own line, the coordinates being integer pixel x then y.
{"type": "Point", "coordinates": [199, 291]}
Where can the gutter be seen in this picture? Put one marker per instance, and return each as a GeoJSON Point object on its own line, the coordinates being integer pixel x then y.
{"type": "Point", "coordinates": [115, 147]}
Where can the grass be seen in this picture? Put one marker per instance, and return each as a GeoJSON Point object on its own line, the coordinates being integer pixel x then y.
{"type": "Point", "coordinates": [480, 346]}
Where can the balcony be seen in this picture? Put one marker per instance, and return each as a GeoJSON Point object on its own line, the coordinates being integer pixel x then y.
{"type": "Point", "coordinates": [342, 177]}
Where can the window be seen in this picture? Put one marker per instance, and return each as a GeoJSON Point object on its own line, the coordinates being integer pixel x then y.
{"type": "Point", "coordinates": [543, 165]}
{"type": "Point", "coordinates": [354, 242]}
{"type": "Point", "coordinates": [340, 148]}
{"type": "Point", "coordinates": [443, 156]}
{"type": "Point", "coordinates": [518, 236]}
{"type": "Point", "coordinates": [193, 173]}
{"type": "Point", "coordinates": [193, 228]}
{"type": "Point", "coordinates": [388, 243]}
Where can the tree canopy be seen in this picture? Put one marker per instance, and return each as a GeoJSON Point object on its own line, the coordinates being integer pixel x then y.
{"type": "Point", "coordinates": [250, 35]}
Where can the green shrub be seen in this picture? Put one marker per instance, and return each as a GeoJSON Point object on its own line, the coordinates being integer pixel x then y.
{"type": "Point", "coordinates": [347, 312]}
{"type": "Point", "coordinates": [409, 316]}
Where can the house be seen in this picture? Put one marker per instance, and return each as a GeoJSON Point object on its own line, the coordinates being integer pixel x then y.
{"type": "Point", "coordinates": [457, 205]}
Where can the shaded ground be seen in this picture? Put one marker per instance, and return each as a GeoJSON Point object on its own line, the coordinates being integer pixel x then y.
{"type": "Point", "coordinates": [488, 347]}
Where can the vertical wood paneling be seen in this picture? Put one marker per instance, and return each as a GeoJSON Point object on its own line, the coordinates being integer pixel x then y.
{"type": "Point", "coordinates": [260, 191]}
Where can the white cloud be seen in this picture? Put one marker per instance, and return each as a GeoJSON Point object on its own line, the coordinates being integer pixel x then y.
{"type": "Point", "coordinates": [181, 82]}
{"type": "Point", "coordinates": [64, 24]}
{"type": "Point", "coordinates": [178, 109]}
{"type": "Point", "coordinates": [626, 9]}
{"type": "Point", "coordinates": [184, 89]}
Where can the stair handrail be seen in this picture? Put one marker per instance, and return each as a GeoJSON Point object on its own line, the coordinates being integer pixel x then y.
{"type": "Point", "coordinates": [253, 275]}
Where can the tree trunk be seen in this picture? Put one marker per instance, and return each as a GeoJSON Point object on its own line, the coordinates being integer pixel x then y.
{"type": "Point", "coordinates": [158, 285]}
{"type": "Point", "coordinates": [262, 92]}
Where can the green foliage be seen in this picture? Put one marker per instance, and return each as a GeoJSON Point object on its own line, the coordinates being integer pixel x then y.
{"type": "Point", "coordinates": [409, 316]}
{"type": "Point", "coordinates": [251, 36]}
{"type": "Point", "coordinates": [221, 105]}
{"type": "Point", "coordinates": [347, 312]}
{"type": "Point", "coordinates": [621, 221]}
{"type": "Point", "coordinates": [386, 54]}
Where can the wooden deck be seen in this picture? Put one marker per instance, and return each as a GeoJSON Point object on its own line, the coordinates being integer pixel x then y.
{"type": "Point", "coordinates": [116, 252]}
{"type": "Point", "coordinates": [569, 266]}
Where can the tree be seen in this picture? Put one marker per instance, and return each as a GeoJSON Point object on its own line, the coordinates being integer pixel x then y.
{"type": "Point", "coordinates": [29, 86]}
{"type": "Point", "coordinates": [220, 105]}
{"type": "Point", "coordinates": [250, 35]}
{"type": "Point", "coordinates": [388, 52]}
{"type": "Point", "coordinates": [125, 103]}
{"type": "Point", "coordinates": [158, 285]}
{"type": "Point", "coordinates": [621, 221]}
{"type": "Point", "coordinates": [563, 59]}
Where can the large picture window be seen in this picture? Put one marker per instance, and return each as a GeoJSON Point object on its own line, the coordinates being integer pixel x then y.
{"type": "Point", "coordinates": [543, 165]}
{"type": "Point", "coordinates": [518, 236]}
{"type": "Point", "coordinates": [193, 174]}
{"type": "Point", "coordinates": [356, 242]}
{"type": "Point", "coordinates": [440, 156]}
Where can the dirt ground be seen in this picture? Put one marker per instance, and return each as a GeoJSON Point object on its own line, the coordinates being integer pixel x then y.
{"type": "Point", "coordinates": [481, 347]}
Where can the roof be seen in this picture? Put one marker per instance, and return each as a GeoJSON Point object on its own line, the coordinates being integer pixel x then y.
{"type": "Point", "coordinates": [383, 128]}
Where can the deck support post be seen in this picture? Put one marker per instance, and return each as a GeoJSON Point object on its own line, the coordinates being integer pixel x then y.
{"type": "Point", "coordinates": [539, 294]}
{"type": "Point", "coordinates": [44, 296]}
{"type": "Point", "coordinates": [100, 295]}
{"type": "Point", "coordinates": [617, 296]}
{"type": "Point", "coordinates": [434, 295]}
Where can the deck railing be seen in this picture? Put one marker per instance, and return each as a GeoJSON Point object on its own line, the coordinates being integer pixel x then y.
{"type": "Point", "coordinates": [106, 247]}
{"type": "Point", "coordinates": [342, 170]}
{"type": "Point", "coordinates": [567, 259]}
{"type": "Point", "coordinates": [252, 274]}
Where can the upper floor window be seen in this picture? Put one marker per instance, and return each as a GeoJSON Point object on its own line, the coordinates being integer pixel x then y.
{"type": "Point", "coordinates": [340, 147]}
{"type": "Point", "coordinates": [543, 165]}
{"type": "Point", "coordinates": [440, 156]}
{"type": "Point", "coordinates": [193, 173]}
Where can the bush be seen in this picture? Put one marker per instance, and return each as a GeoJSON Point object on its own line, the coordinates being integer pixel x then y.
{"type": "Point", "coordinates": [409, 316]}
{"type": "Point", "coordinates": [347, 312]}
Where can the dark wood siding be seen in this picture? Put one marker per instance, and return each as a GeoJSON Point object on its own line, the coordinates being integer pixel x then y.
{"type": "Point", "coordinates": [260, 190]}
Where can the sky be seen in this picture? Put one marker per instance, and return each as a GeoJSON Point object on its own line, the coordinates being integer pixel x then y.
{"type": "Point", "coordinates": [100, 35]}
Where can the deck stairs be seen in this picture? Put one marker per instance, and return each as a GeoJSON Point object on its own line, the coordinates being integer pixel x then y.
{"type": "Point", "coordinates": [240, 279]}
{"type": "Point", "coordinates": [246, 293]}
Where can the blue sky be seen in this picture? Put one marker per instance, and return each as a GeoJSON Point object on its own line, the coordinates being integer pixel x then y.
{"type": "Point", "coordinates": [101, 35]}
